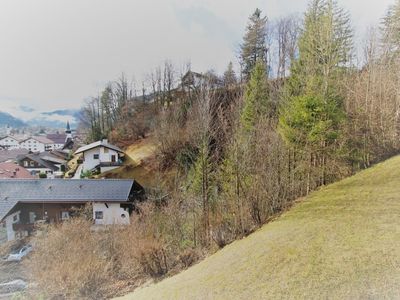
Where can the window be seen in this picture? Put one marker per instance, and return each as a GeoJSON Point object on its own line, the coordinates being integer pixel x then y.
{"type": "Point", "coordinates": [95, 156]}
{"type": "Point", "coordinates": [64, 215]}
{"type": "Point", "coordinates": [98, 215]}
{"type": "Point", "coordinates": [32, 217]}
{"type": "Point", "coordinates": [25, 163]}
{"type": "Point", "coordinates": [32, 163]}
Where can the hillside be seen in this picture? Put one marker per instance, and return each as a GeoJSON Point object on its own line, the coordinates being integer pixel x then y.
{"type": "Point", "coordinates": [140, 164]}
{"type": "Point", "coordinates": [340, 242]}
{"type": "Point", "coordinates": [7, 119]}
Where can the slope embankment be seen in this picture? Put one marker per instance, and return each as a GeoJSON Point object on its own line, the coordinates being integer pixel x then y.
{"type": "Point", "coordinates": [342, 242]}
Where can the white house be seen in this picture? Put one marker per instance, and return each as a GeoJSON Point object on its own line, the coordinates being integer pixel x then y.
{"type": "Point", "coordinates": [100, 155]}
{"type": "Point", "coordinates": [10, 142]}
{"type": "Point", "coordinates": [25, 202]}
{"type": "Point", "coordinates": [37, 144]}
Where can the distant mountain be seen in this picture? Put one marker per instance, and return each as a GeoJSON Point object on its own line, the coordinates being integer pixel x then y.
{"type": "Point", "coordinates": [56, 118]}
{"type": "Point", "coordinates": [7, 119]}
{"type": "Point", "coordinates": [64, 112]}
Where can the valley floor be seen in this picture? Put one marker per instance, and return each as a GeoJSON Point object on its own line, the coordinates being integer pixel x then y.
{"type": "Point", "coordinates": [342, 242]}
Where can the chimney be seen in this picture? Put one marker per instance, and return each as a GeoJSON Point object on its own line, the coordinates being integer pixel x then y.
{"type": "Point", "coordinates": [105, 141]}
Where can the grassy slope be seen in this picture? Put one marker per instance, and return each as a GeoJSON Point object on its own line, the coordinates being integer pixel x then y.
{"type": "Point", "coordinates": [341, 242]}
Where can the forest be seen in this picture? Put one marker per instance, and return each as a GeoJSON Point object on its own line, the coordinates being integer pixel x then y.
{"type": "Point", "coordinates": [304, 107]}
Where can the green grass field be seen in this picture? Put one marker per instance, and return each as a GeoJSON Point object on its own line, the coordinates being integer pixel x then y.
{"type": "Point", "coordinates": [341, 242]}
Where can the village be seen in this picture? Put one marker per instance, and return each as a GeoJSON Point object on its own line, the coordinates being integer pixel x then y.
{"type": "Point", "coordinates": [37, 184]}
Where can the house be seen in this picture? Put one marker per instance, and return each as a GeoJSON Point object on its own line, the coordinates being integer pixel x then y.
{"type": "Point", "coordinates": [12, 170]}
{"type": "Point", "coordinates": [100, 156]}
{"type": "Point", "coordinates": [55, 200]}
{"type": "Point", "coordinates": [193, 80]}
{"type": "Point", "coordinates": [37, 165]}
{"type": "Point", "coordinates": [11, 155]}
{"type": "Point", "coordinates": [37, 144]}
{"type": "Point", "coordinates": [9, 142]}
{"type": "Point", "coordinates": [58, 140]}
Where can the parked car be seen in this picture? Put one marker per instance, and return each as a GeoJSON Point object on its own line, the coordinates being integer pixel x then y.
{"type": "Point", "coordinates": [19, 254]}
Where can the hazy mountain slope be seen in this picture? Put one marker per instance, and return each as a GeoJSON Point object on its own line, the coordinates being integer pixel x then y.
{"type": "Point", "coordinates": [7, 119]}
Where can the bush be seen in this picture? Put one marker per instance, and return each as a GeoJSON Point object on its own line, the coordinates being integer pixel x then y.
{"type": "Point", "coordinates": [67, 262]}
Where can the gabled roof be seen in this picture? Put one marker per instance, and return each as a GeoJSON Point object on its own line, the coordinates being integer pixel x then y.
{"type": "Point", "coordinates": [12, 137]}
{"type": "Point", "coordinates": [49, 156]}
{"type": "Point", "coordinates": [13, 191]}
{"type": "Point", "coordinates": [40, 139]}
{"type": "Point", "coordinates": [35, 157]}
{"type": "Point", "coordinates": [69, 144]}
{"type": "Point", "coordinates": [11, 170]}
{"type": "Point", "coordinates": [102, 143]}
{"type": "Point", "coordinates": [57, 138]}
{"type": "Point", "coordinates": [6, 155]}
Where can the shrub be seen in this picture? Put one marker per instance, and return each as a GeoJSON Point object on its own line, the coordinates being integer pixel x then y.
{"type": "Point", "coordinates": [67, 262]}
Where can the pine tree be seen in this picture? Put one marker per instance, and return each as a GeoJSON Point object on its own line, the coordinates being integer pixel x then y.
{"type": "Point", "coordinates": [230, 76]}
{"type": "Point", "coordinates": [311, 118]}
{"type": "Point", "coordinates": [254, 46]}
{"type": "Point", "coordinates": [256, 99]}
{"type": "Point", "coordinates": [391, 31]}
{"type": "Point", "coordinates": [325, 47]}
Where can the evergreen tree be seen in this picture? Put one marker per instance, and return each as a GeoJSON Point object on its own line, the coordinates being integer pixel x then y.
{"type": "Point", "coordinates": [230, 76]}
{"type": "Point", "coordinates": [311, 118]}
{"type": "Point", "coordinates": [256, 99]}
{"type": "Point", "coordinates": [254, 46]}
{"type": "Point", "coordinates": [325, 48]}
{"type": "Point", "coordinates": [391, 31]}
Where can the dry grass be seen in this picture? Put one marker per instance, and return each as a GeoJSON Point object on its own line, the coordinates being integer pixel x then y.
{"type": "Point", "coordinates": [76, 260]}
{"type": "Point", "coordinates": [141, 164]}
{"type": "Point", "coordinates": [341, 242]}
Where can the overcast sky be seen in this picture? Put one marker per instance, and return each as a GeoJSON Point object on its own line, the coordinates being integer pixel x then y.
{"type": "Point", "coordinates": [56, 53]}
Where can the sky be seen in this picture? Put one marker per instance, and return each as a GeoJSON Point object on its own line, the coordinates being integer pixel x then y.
{"type": "Point", "coordinates": [54, 54]}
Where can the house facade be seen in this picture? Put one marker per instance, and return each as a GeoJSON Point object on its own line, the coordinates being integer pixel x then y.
{"type": "Point", "coordinates": [37, 165]}
{"type": "Point", "coordinates": [8, 142]}
{"type": "Point", "coordinates": [37, 144]}
{"type": "Point", "coordinates": [100, 155]}
{"type": "Point", "coordinates": [57, 200]}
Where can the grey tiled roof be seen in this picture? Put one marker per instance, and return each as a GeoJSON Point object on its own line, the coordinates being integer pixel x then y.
{"type": "Point", "coordinates": [101, 143]}
{"type": "Point", "coordinates": [36, 157]}
{"type": "Point", "coordinates": [13, 191]}
{"type": "Point", "coordinates": [6, 155]}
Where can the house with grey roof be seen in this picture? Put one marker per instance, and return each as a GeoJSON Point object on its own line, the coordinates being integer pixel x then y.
{"type": "Point", "coordinates": [101, 156]}
{"type": "Point", "coordinates": [42, 163]}
{"type": "Point", "coordinates": [26, 202]}
{"type": "Point", "coordinates": [11, 155]}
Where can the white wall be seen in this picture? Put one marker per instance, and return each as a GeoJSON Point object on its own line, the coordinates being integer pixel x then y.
{"type": "Point", "coordinates": [10, 142]}
{"type": "Point", "coordinates": [33, 145]}
{"type": "Point", "coordinates": [37, 171]}
{"type": "Point", "coordinates": [113, 214]}
{"type": "Point", "coordinates": [9, 225]}
{"type": "Point", "coordinates": [104, 156]}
